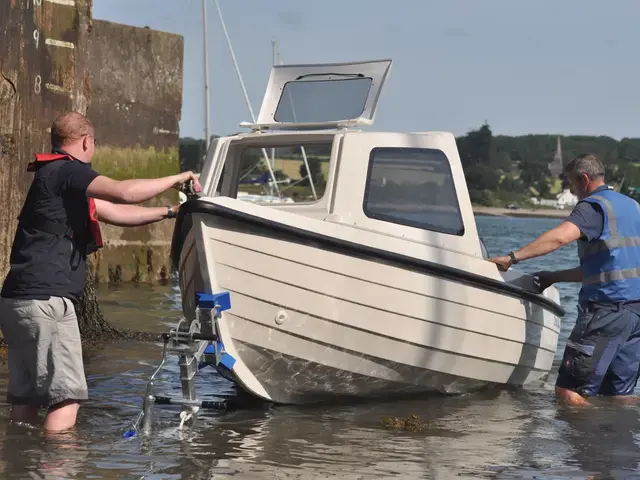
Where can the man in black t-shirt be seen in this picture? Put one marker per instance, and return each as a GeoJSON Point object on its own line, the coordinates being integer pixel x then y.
{"type": "Point", "coordinates": [58, 227]}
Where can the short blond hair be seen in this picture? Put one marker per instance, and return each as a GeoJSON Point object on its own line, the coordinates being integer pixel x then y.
{"type": "Point", "coordinates": [68, 128]}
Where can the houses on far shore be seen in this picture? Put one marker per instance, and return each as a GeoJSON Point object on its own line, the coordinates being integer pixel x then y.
{"type": "Point", "coordinates": [564, 199]}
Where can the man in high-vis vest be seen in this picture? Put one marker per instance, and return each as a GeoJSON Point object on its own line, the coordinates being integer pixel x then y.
{"type": "Point", "coordinates": [602, 354]}
{"type": "Point", "coordinates": [57, 228]}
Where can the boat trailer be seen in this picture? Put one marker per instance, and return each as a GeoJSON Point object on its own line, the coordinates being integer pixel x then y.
{"type": "Point", "coordinates": [197, 345]}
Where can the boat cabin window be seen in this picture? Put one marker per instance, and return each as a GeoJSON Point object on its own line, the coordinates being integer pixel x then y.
{"type": "Point", "coordinates": [288, 164]}
{"type": "Point", "coordinates": [413, 187]}
{"type": "Point", "coordinates": [323, 100]}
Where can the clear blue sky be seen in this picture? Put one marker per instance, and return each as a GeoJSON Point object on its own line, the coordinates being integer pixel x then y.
{"type": "Point", "coordinates": [562, 67]}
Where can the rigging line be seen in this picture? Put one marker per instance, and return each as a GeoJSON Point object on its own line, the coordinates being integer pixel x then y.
{"type": "Point", "coordinates": [244, 90]}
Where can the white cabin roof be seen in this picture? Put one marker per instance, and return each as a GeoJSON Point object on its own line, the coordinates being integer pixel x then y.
{"type": "Point", "coordinates": [320, 96]}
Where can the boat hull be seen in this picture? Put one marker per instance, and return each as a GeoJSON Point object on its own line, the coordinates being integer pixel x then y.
{"type": "Point", "coordinates": [308, 323]}
{"type": "Point", "coordinates": [291, 379]}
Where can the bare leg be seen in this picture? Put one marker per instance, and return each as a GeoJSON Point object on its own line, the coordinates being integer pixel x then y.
{"type": "Point", "coordinates": [62, 416]}
{"type": "Point", "coordinates": [25, 414]}
{"type": "Point", "coordinates": [570, 397]}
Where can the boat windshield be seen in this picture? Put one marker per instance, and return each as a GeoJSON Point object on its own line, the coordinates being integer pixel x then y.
{"type": "Point", "coordinates": [322, 96]}
{"type": "Point", "coordinates": [300, 171]}
{"type": "Point", "coordinates": [323, 100]}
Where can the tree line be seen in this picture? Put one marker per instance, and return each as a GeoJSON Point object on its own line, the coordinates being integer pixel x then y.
{"type": "Point", "coordinates": [502, 169]}
{"type": "Point", "coordinates": [505, 168]}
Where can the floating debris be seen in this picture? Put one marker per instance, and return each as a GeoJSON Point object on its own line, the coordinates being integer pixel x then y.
{"type": "Point", "coordinates": [412, 423]}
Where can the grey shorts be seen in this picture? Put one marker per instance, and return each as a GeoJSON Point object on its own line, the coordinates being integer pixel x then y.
{"type": "Point", "coordinates": [45, 351]}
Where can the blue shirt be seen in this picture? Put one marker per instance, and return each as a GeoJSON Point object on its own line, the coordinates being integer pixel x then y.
{"type": "Point", "coordinates": [588, 217]}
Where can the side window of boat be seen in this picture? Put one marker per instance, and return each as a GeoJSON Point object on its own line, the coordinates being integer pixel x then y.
{"type": "Point", "coordinates": [224, 172]}
{"type": "Point", "coordinates": [412, 187]}
{"type": "Point", "coordinates": [255, 183]}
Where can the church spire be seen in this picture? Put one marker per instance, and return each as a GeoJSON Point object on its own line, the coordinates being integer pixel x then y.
{"type": "Point", "coordinates": [557, 165]}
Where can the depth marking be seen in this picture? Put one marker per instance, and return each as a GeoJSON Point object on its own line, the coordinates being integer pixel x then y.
{"type": "Point", "coordinates": [59, 43]}
{"type": "Point", "coordinates": [162, 131]}
{"type": "Point", "coordinates": [56, 88]}
{"type": "Point", "coordinates": [69, 3]}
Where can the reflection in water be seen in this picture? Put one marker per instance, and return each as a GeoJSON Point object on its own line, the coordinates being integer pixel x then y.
{"type": "Point", "coordinates": [503, 434]}
{"type": "Point", "coordinates": [28, 453]}
{"type": "Point", "coordinates": [605, 432]}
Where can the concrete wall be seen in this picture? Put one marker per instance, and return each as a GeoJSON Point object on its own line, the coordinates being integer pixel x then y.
{"type": "Point", "coordinates": [42, 73]}
{"type": "Point", "coordinates": [128, 81]}
{"type": "Point", "coordinates": [136, 103]}
{"type": "Point", "coordinates": [136, 85]}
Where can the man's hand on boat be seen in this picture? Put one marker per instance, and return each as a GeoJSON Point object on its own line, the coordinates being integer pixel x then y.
{"type": "Point", "coordinates": [503, 263]}
{"type": "Point", "coordinates": [548, 242]}
{"type": "Point", "coordinates": [184, 178]}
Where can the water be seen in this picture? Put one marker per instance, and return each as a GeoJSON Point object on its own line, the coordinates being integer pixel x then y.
{"type": "Point", "coordinates": [520, 434]}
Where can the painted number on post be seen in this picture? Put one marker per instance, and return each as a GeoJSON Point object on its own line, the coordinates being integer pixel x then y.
{"type": "Point", "coordinates": [37, 86]}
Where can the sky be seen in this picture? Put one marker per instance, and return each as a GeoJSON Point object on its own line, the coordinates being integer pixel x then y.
{"type": "Point", "coordinates": [567, 68]}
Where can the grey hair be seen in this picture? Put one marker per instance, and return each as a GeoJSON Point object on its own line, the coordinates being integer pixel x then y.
{"type": "Point", "coordinates": [585, 164]}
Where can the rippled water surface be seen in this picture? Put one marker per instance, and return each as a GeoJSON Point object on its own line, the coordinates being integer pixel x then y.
{"type": "Point", "coordinates": [503, 434]}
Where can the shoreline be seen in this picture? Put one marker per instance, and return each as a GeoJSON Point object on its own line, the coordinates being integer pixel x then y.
{"type": "Point", "coordinates": [522, 212]}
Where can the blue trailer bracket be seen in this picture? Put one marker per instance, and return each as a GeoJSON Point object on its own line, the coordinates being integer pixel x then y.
{"type": "Point", "coordinates": [190, 341]}
{"type": "Point", "coordinates": [212, 300]}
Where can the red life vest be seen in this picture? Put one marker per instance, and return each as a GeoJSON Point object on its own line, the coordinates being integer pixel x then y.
{"type": "Point", "coordinates": [94, 224]}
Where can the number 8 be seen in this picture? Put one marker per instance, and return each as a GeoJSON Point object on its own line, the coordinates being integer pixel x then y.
{"type": "Point", "coordinates": [38, 84]}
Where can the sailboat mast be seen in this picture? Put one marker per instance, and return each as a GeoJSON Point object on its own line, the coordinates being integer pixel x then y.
{"type": "Point", "coordinates": [207, 118]}
{"type": "Point", "coordinates": [274, 47]}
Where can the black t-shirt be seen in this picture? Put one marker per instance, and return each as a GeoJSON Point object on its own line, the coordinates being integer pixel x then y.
{"type": "Point", "coordinates": [44, 264]}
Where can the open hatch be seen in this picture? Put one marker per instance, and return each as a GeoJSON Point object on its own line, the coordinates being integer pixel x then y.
{"type": "Point", "coordinates": [320, 96]}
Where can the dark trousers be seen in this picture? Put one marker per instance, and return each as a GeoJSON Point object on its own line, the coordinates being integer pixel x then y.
{"type": "Point", "coordinates": [602, 355]}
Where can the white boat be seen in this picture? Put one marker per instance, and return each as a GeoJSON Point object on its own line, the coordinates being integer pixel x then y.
{"type": "Point", "coordinates": [247, 197]}
{"type": "Point", "coordinates": [377, 287]}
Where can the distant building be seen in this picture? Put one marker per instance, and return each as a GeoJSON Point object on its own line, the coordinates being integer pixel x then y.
{"type": "Point", "coordinates": [566, 199]}
{"type": "Point", "coordinates": [557, 165]}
